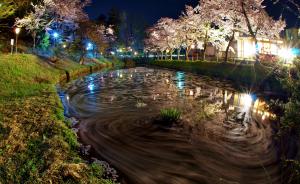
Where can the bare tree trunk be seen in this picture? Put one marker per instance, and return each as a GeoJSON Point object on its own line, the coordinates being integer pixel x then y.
{"type": "Point", "coordinates": [228, 46]}
{"type": "Point", "coordinates": [187, 52]}
{"type": "Point", "coordinates": [171, 55]}
{"type": "Point", "coordinates": [205, 44]}
{"type": "Point", "coordinates": [252, 33]}
{"type": "Point", "coordinates": [34, 39]}
{"type": "Point", "coordinates": [178, 54]}
{"type": "Point", "coordinates": [193, 55]}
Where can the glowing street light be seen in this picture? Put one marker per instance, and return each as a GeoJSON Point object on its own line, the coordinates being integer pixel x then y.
{"type": "Point", "coordinates": [17, 31]}
{"type": "Point", "coordinates": [55, 36]}
{"type": "Point", "coordinates": [89, 46]}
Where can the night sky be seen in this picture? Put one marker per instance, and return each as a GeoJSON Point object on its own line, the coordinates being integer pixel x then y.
{"type": "Point", "coordinates": [149, 10]}
{"type": "Point", "coordinates": [152, 10]}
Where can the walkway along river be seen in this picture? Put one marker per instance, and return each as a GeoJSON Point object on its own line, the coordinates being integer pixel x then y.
{"type": "Point", "coordinates": [224, 136]}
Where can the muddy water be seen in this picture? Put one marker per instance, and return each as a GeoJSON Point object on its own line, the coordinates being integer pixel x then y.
{"type": "Point", "coordinates": [224, 136]}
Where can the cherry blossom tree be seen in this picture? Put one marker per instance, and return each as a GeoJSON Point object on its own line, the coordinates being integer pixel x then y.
{"type": "Point", "coordinates": [170, 28]}
{"type": "Point", "coordinates": [69, 10]}
{"type": "Point", "coordinates": [215, 23]}
{"type": "Point", "coordinates": [248, 17]}
{"type": "Point", "coordinates": [226, 17]}
{"type": "Point", "coordinates": [161, 37]}
{"type": "Point", "coordinates": [35, 21]}
{"type": "Point", "coordinates": [258, 22]}
{"type": "Point", "coordinates": [201, 28]}
{"type": "Point", "coordinates": [192, 30]}
{"type": "Point", "coordinates": [101, 35]}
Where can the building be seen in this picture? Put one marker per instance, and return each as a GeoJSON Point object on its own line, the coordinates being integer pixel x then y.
{"type": "Point", "coordinates": [246, 48]}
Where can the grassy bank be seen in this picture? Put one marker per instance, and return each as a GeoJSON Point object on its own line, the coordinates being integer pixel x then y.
{"type": "Point", "coordinates": [37, 145]}
{"type": "Point", "coordinates": [255, 77]}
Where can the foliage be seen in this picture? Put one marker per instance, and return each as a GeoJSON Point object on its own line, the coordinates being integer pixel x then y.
{"type": "Point", "coordinates": [100, 35]}
{"type": "Point", "coordinates": [292, 113]}
{"type": "Point", "coordinates": [35, 21]}
{"type": "Point", "coordinates": [171, 115]}
{"type": "Point", "coordinates": [294, 168]}
{"type": "Point", "coordinates": [7, 8]}
{"type": "Point", "coordinates": [45, 42]}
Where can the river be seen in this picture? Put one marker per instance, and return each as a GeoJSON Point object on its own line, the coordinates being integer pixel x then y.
{"type": "Point", "coordinates": [224, 136]}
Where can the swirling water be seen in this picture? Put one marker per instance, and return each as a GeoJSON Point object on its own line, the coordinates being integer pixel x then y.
{"type": "Point", "coordinates": [224, 136]}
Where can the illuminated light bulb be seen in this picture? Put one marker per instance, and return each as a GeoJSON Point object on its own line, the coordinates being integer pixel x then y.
{"type": "Point", "coordinates": [191, 93]}
{"type": "Point", "coordinates": [55, 35]}
{"type": "Point", "coordinates": [17, 30]}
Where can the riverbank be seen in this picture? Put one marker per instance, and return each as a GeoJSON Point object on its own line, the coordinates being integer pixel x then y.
{"type": "Point", "coordinates": [254, 77]}
{"type": "Point", "coordinates": [37, 144]}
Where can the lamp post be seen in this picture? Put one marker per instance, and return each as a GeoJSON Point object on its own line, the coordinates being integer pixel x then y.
{"type": "Point", "coordinates": [17, 31]}
{"type": "Point", "coordinates": [12, 43]}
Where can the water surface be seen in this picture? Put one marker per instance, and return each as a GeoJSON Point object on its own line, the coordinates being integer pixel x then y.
{"type": "Point", "coordinates": [224, 136]}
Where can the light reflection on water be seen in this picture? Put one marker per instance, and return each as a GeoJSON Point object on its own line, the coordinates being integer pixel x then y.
{"type": "Point", "coordinates": [226, 136]}
{"type": "Point", "coordinates": [180, 78]}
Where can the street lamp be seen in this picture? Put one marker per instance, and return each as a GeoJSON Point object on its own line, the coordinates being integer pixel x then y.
{"type": "Point", "coordinates": [55, 36]}
{"type": "Point", "coordinates": [17, 31]}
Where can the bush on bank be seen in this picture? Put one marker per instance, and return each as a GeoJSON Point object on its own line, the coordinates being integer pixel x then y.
{"type": "Point", "coordinates": [36, 143]}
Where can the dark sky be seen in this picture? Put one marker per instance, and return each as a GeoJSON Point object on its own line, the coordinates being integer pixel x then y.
{"type": "Point", "coordinates": [152, 10]}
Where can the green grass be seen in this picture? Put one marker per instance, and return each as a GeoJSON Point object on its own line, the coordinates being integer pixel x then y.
{"type": "Point", "coordinates": [241, 75]}
{"type": "Point", "coordinates": [37, 145]}
{"type": "Point", "coordinates": [25, 75]}
{"type": "Point", "coordinates": [171, 115]}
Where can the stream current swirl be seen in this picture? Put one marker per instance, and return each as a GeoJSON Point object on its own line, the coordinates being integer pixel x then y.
{"type": "Point", "coordinates": [224, 136]}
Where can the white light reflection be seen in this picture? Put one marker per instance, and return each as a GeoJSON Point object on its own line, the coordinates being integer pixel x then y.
{"type": "Point", "coordinates": [180, 77]}
{"type": "Point", "coordinates": [191, 93]}
{"type": "Point", "coordinates": [91, 87]}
